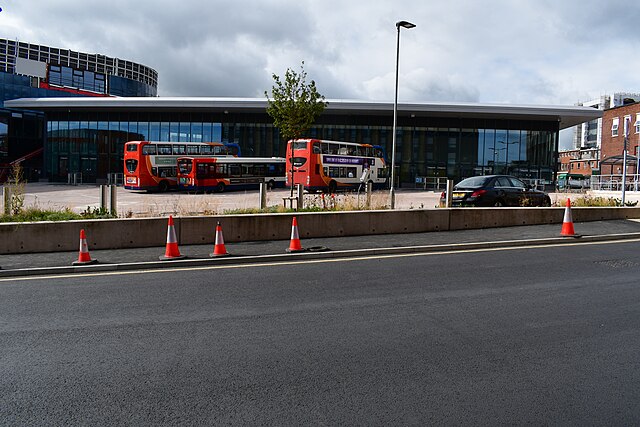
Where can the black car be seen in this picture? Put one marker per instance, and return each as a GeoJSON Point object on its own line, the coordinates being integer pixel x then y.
{"type": "Point", "coordinates": [496, 190]}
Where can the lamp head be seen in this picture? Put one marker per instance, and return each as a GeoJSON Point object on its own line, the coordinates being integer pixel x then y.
{"type": "Point", "coordinates": [405, 24]}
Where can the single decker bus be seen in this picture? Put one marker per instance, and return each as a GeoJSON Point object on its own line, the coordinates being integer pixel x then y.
{"type": "Point", "coordinates": [329, 166]}
{"type": "Point", "coordinates": [219, 174]}
{"type": "Point", "coordinates": [154, 165]}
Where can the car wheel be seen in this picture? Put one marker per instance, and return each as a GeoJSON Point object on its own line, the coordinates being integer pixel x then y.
{"type": "Point", "coordinates": [220, 187]}
{"type": "Point", "coordinates": [333, 186]}
{"type": "Point", "coordinates": [271, 185]}
{"type": "Point", "coordinates": [498, 203]}
{"type": "Point", "coordinates": [546, 202]}
{"type": "Point", "coordinates": [163, 186]}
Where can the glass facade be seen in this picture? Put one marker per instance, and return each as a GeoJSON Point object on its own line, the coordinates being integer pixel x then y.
{"type": "Point", "coordinates": [21, 135]}
{"type": "Point", "coordinates": [14, 86]}
{"type": "Point", "coordinates": [92, 143]}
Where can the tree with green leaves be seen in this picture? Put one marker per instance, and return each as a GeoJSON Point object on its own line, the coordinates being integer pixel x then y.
{"type": "Point", "coordinates": [294, 105]}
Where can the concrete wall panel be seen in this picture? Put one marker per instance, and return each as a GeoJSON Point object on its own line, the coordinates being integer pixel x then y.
{"type": "Point", "coordinates": [148, 232]}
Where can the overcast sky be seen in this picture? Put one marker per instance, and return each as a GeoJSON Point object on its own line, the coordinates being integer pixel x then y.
{"type": "Point", "coordinates": [551, 52]}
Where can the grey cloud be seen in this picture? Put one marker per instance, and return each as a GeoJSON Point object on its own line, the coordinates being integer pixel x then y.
{"type": "Point", "coordinates": [526, 51]}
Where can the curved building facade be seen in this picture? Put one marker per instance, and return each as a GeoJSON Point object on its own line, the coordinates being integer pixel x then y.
{"type": "Point", "coordinates": [35, 71]}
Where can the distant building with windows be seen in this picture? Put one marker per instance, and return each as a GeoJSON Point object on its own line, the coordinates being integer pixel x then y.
{"type": "Point", "coordinates": [616, 122]}
{"type": "Point", "coordinates": [454, 140]}
{"type": "Point", "coordinates": [589, 134]}
{"type": "Point", "coordinates": [576, 161]}
{"type": "Point", "coordinates": [35, 71]}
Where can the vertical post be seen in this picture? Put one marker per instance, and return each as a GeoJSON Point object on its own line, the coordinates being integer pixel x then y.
{"type": "Point", "coordinates": [449, 193]}
{"type": "Point", "coordinates": [263, 195]}
{"type": "Point", "coordinates": [369, 191]}
{"type": "Point", "coordinates": [392, 194]}
{"type": "Point", "coordinates": [627, 125]}
{"type": "Point", "coordinates": [113, 199]}
{"type": "Point", "coordinates": [6, 199]}
{"type": "Point", "coordinates": [300, 196]}
{"type": "Point", "coordinates": [104, 195]}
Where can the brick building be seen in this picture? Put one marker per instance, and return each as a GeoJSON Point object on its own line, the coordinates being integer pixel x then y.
{"type": "Point", "coordinates": [579, 161]}
{"type": "Point", "coordinates": [615, 122]}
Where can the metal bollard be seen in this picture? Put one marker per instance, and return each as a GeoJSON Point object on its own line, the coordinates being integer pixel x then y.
{"type": "Point", "coordinates": [113, 199]}
{"type": "Point", "coordinates": [449, 194]}
{"type": "Point", "coordinates": [104, 195]}
{"type": "Point", "coordinates": [263, 195]}
{"type": "Point", "coordinates": [300, 196]}
{"type": "Point", "coordinates": [369, 191]}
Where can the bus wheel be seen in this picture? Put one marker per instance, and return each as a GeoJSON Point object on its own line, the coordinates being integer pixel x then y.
{"type": "Point", "coordinates": [270, 185]}
{"type": "Point", "coordinates": [220, 187]}
{"type": "Point", "coordinates": [163, 186]}
{"type": "Point", "coordinates": [333, 186]}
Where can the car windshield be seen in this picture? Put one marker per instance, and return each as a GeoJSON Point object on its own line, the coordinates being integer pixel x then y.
{"type": "Point", "coordinates": [474, 181]}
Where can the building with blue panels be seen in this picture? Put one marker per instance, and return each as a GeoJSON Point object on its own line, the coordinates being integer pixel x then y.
{"type": "Point", "coordinates": [454, 140]}
{"type": "Point", "coordinates": [34, 71]}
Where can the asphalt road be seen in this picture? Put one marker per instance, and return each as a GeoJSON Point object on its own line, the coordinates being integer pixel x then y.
{"type": "Point", "coordinates": [519, 336]}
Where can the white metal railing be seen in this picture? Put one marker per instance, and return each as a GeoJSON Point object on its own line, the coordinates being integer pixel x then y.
{"type": "Point", "coordinates": [614, 182]}
{"type": "Point", "coordinates": [431, 182]}
{"type": "Point", "coordinates": [115, 179]}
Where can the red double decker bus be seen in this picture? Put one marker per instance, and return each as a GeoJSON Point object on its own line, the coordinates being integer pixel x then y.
{"type": "Point", "coordinates": [321, 165]}
{"type": "Point", "coordinates": [154, 165]}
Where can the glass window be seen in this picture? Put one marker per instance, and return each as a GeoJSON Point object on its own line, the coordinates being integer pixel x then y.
{"type": "Point", "coordinates": [234, 170]}
{"type": "Point", "coordinates": [517, 183]}
{"type": "Point", "coordinates": [299, 145]}
{"type": "Point", "coordinates": [149, 149]}
{"type": "Point", "coordinates": [502, 182]}
{"type": "Point", "coordinates": [196, 132]}
{"type": "Point", "coordinates": [154, 131]}
{"type": "Point", "coordinates": [192, 149]}
{"type": "Point", "coordinates": [164, 149]}
{"type": "Point", "coordinates": [207, 135]}
{"type": "Point", "coordinates": [614, 126]}
{"type": "Point", "coordinates": [164, 131]}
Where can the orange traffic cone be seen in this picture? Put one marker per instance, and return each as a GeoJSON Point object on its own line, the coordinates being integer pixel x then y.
{"type": "Point", "coordinates": [295, 245]}
{"type": "Point", "coordinates": [218, 248]}
{"type": "Point", "coordinates": [172, 251]}
{"type": "Point", "coordinates": [83, 256]}
{"type": "Point", "coordinates": [567, 222]}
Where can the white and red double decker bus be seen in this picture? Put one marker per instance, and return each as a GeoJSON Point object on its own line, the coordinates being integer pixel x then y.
{"type": "Point", "coordinates": [154, 165]}
{"type": "Point", "coordinates": [321, 165]}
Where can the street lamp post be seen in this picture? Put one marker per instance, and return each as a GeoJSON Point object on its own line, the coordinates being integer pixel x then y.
{"type": "Point", "coordinates": [392, 195]}
{"type": "Point", "coordinates": [627, 126]}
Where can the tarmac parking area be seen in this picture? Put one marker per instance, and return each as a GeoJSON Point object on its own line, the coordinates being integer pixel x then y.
{"type": "Point", "coordinates": [141, 204]}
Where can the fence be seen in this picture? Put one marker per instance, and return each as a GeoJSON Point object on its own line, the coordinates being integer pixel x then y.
{"type": "Point", "coordinates": [115, 179]}
{"type": "Point", "coordinates": [614, 182]}
{"type": "Point", "coordinates": [438, 183]}
{"type": "Point", "coordinates": [431, 182]}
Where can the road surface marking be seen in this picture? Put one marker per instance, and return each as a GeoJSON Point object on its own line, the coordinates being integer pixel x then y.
{"type": "Point", "coordinates": [311, 261]}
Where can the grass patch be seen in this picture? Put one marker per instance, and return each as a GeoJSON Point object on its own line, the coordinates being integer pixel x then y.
{"type": "Point", "coordinates": [35, 214]}
{"type": "Point", "coordinates": [595, 201]}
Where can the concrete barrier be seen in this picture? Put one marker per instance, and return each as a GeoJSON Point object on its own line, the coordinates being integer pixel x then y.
{"type": "Point", "coordinates": [149, 232]}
